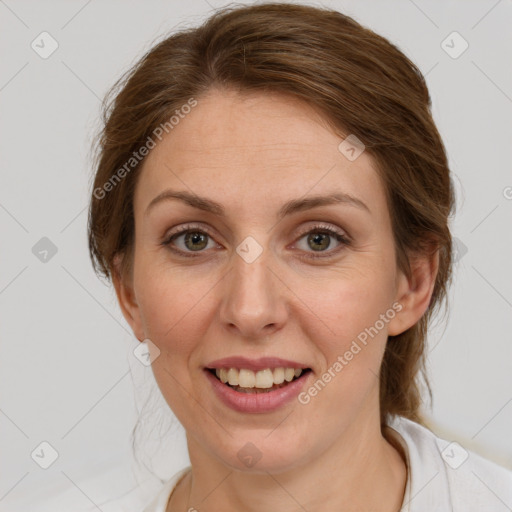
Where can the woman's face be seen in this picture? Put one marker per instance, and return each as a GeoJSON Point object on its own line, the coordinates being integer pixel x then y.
{"type": "Point", "coordinates": [255, 279]}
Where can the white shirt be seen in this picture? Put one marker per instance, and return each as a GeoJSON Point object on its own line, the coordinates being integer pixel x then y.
{"type": "Point", "coordinates": [442, 476]}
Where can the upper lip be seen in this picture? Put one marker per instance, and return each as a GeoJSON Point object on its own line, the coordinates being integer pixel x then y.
{"type": "Point", "coordinates": [254, 364]}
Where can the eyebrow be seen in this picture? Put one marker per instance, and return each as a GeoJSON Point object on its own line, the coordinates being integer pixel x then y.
{"type": "Point", "coordinates": [290, 207]}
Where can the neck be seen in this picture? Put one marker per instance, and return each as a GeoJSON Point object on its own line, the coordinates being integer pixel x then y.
{"type": "Point", "coordinates": [361, 471]}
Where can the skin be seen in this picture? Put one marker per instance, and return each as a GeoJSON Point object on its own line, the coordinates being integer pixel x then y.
{"type": "Point", "coordinates": [252, 153]}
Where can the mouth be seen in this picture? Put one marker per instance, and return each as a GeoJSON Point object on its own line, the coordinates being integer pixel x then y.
{"type": "Point", "coordinates": [255, 382]}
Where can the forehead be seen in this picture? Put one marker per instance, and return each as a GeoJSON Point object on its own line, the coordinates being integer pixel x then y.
{"type": "Point", "coordinates": [251, 149]}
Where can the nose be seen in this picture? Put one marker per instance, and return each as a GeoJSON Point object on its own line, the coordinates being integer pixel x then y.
{"type": "Point", "coordinates": [254, 300]}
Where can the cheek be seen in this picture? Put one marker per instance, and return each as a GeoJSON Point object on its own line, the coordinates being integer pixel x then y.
{"type": "Point", "coordinates": [351, 336]}
{"type": "Point", "coordinates": [174, 316]}
{"type": "Point", "coordinates": [353, 346]}
{"type": "Point", "coordinates": [173, 307]}
{"type": "Point", "coordinates": [345, 304]}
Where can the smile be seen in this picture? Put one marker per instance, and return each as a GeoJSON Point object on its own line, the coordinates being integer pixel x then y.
{"type": "Point", "coordinates": [249, 381]}
{"type": "Point", "coordinates": [259, 391]}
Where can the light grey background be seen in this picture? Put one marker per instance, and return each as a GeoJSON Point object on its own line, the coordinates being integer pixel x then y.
{"type": "Point", "coordinates": [67, 372]}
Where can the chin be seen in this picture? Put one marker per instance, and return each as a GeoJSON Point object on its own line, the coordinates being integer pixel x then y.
{"type": "Point", "coordinates": [262, 457]}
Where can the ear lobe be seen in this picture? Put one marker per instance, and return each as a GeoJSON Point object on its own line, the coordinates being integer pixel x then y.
{"type": "Point", "coordinates": [414, 294]}
{"type": "Point", "coordinates": [126, 298]}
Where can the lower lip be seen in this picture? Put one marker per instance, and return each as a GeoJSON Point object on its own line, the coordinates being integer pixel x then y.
{"type": "Point", "coordinates": [257, 402]}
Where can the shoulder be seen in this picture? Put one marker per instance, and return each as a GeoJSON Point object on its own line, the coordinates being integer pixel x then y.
{"type": "Point", "coordinates": [443, 475]}
{"type": "Point", "coordinates": [159, 503]}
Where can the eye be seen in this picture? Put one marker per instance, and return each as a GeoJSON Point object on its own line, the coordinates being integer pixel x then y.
{"type": "Point", "coordinates": [319, 238]}
{"type": "Point", "coordinates": [193, 239]}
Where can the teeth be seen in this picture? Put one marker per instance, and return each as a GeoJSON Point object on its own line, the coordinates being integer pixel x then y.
{"type": "Point", "coordinates": [289, 373]}
{"type": "Point", "coordinates": [246, 378]}
{"type": "Point", "coordinates": [233, 377]}
{"type": "Point", "coordinates": [223, 375]}
{"type": "Point", "coordinates": [279, 375]}
{"type": "Point", "coordinates": [262, 379]}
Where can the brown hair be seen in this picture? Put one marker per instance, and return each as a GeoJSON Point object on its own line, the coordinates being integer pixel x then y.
{"type": "Point", "coordinates": [361, 84]}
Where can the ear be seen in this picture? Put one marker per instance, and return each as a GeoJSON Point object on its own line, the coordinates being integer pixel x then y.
{"type": "Point", "coordinates": [414, 294]}
{"type": "Point", "coordinates": [126, 298]}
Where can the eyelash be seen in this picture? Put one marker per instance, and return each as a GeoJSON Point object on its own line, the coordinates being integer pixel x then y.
{"type": "Point", "coordinates": [319, 228]}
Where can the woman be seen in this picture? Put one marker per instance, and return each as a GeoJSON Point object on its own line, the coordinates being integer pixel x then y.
{"type": "Point", "coordinates": [271, 202]}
